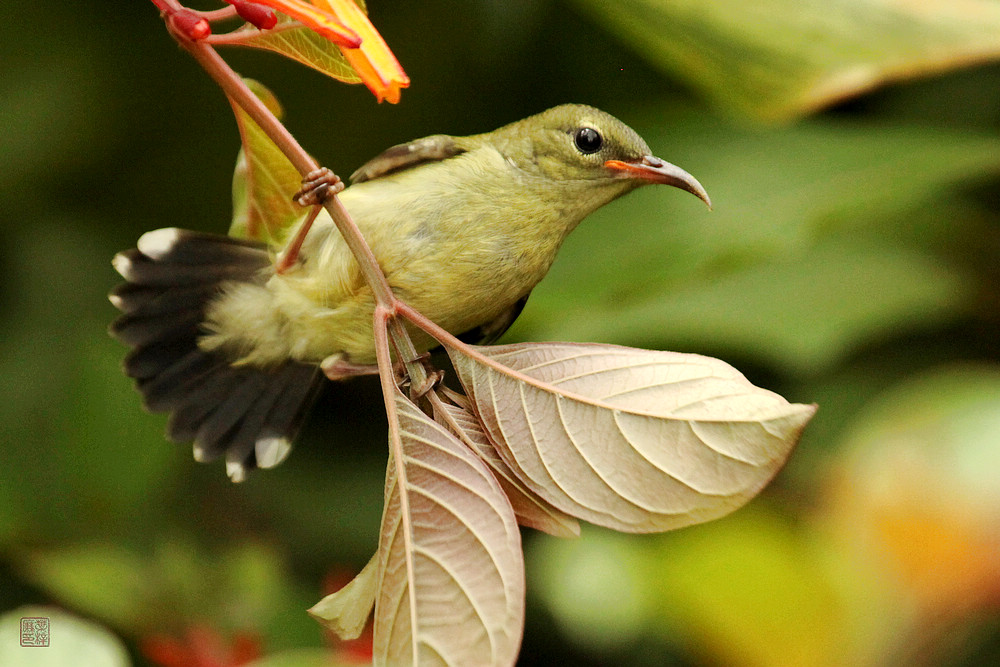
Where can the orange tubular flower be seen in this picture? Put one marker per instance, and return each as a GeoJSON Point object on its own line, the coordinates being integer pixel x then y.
{"type": "Point", "coordinates": [373, 61]}
{"type": "Point", "coordinates": [322, 22]}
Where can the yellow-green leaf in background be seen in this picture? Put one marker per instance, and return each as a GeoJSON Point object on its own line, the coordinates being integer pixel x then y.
{"type": "Point", "coordinates": [346, 611]}
{"type": "Point", "coordinates": [779, 59]}
{"type": "Point", "coordinates": [264, 180]}
{"type": "Point", "coordinates": [749, 590]}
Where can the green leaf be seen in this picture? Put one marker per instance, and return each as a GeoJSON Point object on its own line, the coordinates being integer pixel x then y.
{"type": "Point", "coordinates": [78, 454]}
{"type": "Point", "coordinates": [300, 44]}
{"type": "Point", "coordinates": [751, 590]}
{"type": "Point", "coordinates": [264, 180]}
{"type": "Point", "coordinates": [595, 588]}
{"type": "Point", "coordinates": [801, 314]}
{"type": "Point", "coordinates": [784, 266]}
{"type": "Point", "coordinates": [346, 611]}
{"type": "Point", "coordinates": [246, 584]}
{"type": "Point", "coordinates": [71, 641]}
{"type": "Point", "coordinates": [102, 580]}
{"type": "Point", "coordinates": [778, 59]}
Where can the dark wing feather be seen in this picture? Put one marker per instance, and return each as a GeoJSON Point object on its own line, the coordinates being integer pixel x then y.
{"type": "Point", "coordinates": [486, 334]}
{"type": "Point", "coordinates": [403, 156]}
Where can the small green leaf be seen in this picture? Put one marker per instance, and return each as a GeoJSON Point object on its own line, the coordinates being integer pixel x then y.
{"type": "Point", "coordinates": [300, 44]}
{"type": "Point", "coordinates": [594, 588]}
{"type": "Point", "coordinates": [264, 180]}
{"type": "Point", "coordinates": [346, 611]}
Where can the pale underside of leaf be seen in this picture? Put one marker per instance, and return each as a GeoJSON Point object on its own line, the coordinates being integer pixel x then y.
{"type": "Point", "coordinates": [634, 440]}
{"type": "Point", "coordinates": [530, 509]}
{"type": "Point", "coordinates": [450, 567]}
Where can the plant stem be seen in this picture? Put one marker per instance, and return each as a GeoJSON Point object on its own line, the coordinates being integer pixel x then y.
{"type": "Point", "coordinates": [234, 87]}
{"type": "Point", "coordinates": [389, 391]}
{"type": "Point", "coordinates": [217, 14]}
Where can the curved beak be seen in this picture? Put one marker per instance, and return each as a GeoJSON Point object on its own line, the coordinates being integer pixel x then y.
{"type": "Point", "coordinates": [654, 170]}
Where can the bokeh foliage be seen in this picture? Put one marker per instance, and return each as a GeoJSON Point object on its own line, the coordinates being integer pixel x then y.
{"type": "Point", "coordinates": [851, 259]}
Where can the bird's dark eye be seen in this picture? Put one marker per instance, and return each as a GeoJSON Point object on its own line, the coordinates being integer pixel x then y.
{"type": "Point", "coordinates": [588, 140]}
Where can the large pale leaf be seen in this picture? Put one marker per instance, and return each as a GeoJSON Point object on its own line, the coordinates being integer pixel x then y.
{"type": "Point", "coordinates": [777, 59]}
{"type": "Point", "coordinates": [450, 567]}
{"type": "Point", "coordinates": [634, 440]}
{"type": "Point", "coordinates": [264, 180]}
{"type": "Point", "coordinates": [300, 44]}
{"type": "Point", "coordinates": [531, 510]}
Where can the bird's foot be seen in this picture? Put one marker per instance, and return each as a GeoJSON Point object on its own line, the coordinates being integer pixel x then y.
{"type": "Point", "coordinates": [433, 379]}
{"type": "Point", "coordinates": [318, 186]}
{"type": "Point", "coordinates": [337, 367]}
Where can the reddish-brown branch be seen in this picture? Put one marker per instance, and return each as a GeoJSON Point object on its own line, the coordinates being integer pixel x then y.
{"type": "Point", "coordinates": [223, 14]}
{"type": "Point", "coordinates": [238, 92]}
{"type": "Point", "coordinates": [290, 255]}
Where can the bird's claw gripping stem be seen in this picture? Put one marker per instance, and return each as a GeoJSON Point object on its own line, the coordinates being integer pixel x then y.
{"type": "Point", "coordinates": [434, 377]}
{"type": "Point", "coordinates": [318, 186]}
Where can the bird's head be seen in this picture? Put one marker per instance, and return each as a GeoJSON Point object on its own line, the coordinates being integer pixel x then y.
{"type": "Point", "coordinates": [581, 148]}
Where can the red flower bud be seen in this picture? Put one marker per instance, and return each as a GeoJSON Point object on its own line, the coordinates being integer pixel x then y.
{"type": "Point", "coordinates": [256, 14]}
{"type": "Point", "coordinates": [190, 24]}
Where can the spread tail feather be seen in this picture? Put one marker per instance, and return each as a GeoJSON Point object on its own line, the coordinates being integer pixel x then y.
{"type": "Point", "coordinates": [248, 413]}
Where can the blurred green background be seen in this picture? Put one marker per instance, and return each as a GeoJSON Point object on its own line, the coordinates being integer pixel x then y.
{"type": "Point", "coordinates": [852, 150]}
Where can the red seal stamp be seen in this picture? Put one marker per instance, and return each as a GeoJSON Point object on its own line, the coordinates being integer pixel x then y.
{"type": "Point", "coordinates": [34, 631]}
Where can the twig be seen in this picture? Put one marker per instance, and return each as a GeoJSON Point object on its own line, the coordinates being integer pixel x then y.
{"type": "Point", "coordinates": [234, 87]}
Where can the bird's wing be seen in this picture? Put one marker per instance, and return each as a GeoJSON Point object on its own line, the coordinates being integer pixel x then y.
{"type": "Point", "coordinates": [404, 156]}
{"type": "Point", "coordinates": [488, 333]}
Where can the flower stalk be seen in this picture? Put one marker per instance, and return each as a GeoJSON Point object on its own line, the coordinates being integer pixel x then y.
{"type": "Point", "coordinates": [387, 305]}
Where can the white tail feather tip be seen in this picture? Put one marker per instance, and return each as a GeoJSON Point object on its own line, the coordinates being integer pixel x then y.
{"type": "Point", "coordinates": [237, 473]}
{"type": "Point", "coordinates": [159, 242]}
{"type": "Point", "coordinates": [271, 451]}
{"type": "Point", "coordinates": [123, 265]}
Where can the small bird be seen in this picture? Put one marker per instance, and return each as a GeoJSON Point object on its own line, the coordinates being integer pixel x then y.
{"type": "Point", "coordinates": [462, 227]}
